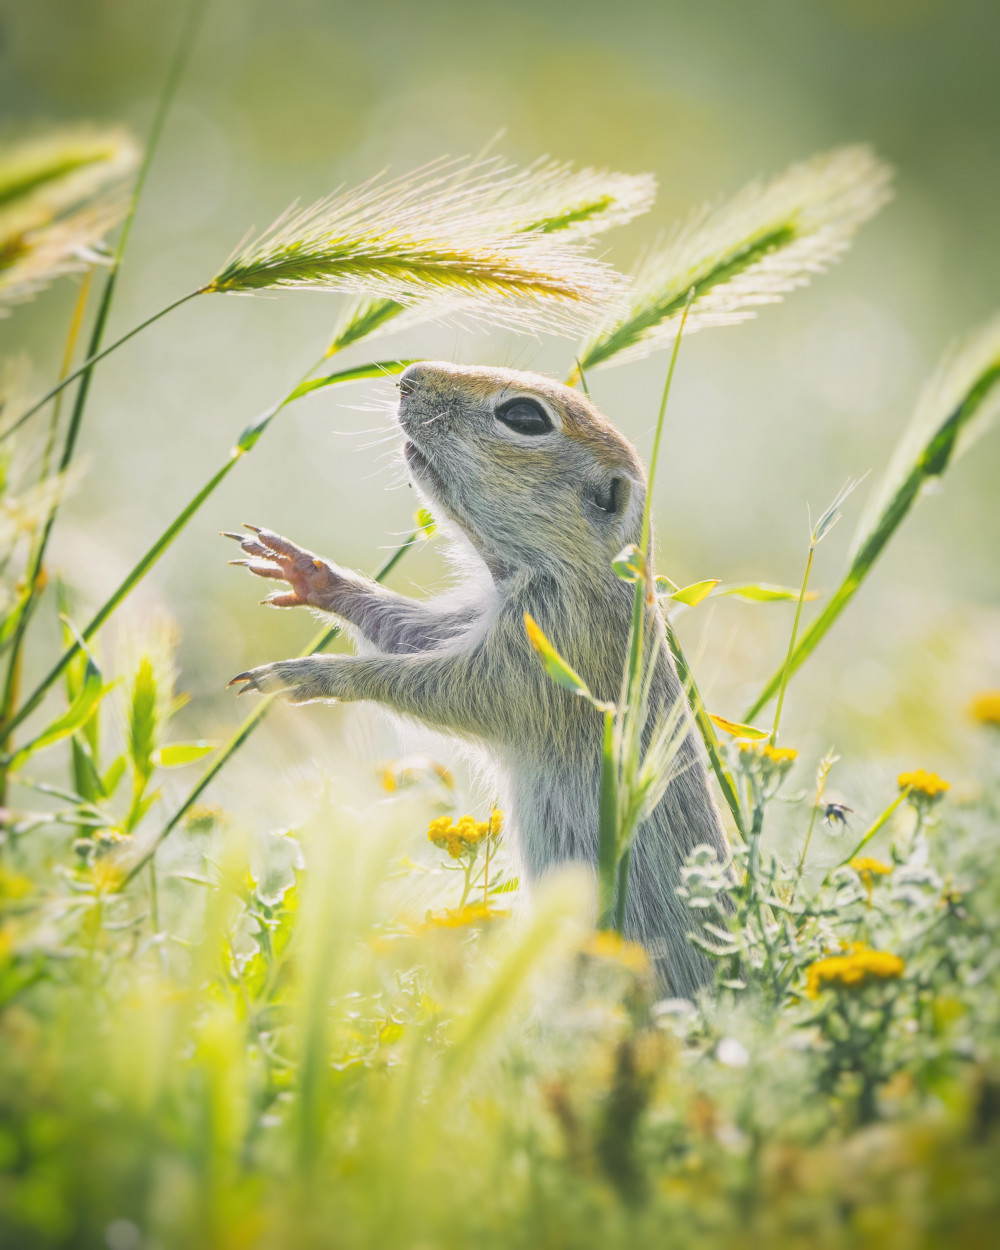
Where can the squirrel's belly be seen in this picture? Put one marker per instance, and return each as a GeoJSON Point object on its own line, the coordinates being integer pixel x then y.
{"type": "Point", "coordinates": [552, 812]}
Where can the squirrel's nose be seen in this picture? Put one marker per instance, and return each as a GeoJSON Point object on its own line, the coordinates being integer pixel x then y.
{"type": "Point", "coordinates": [409, 379]}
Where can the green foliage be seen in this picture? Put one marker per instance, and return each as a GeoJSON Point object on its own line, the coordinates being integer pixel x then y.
{"type": "Point", "coordinates": [217, 1035]}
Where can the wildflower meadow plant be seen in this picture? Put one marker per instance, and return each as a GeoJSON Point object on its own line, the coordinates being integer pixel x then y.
{"type": "Point", "coordinates": [360, 1030]}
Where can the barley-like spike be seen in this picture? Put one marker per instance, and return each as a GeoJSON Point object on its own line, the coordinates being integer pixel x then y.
{"type": "Point", "coordinates": [60, 193]}
{"type": "Point", "coordinates": [768, 240]}
{"type": "Point", "coordinates": [468, 235]}
{"type": "Point", "coordinates": [548, 198]}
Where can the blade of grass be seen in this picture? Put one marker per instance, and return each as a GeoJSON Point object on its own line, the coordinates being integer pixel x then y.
{"type": "Point", "coordinates": [708, 735]}
{"type": "Point", "coordinates": [319, 643]}
{"type": "Point", "coordinates": [607, 856]}
{"type": "Point", "coordinates": [633, 705]}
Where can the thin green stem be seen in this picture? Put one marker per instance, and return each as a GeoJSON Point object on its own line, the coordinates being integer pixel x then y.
{"type": "Point", "coordinates": [633, 703]}
{"type": "Point", "coordinates": [95, 356]}
{"type": "Point", "coordinates": [34, 566]}
{"type": "Point", "coordinates": [182, 52]}
{"type": "Point", "coordinates": [131, 581]}
{"type": "Point", "coordinates": [319, 643]}
{"type": "Point", "coordinates": [805, 847]}
{"type": "Point", "coordinates": [708, 735]}
{"type": "Point", "coordinates": [608, 828]}
{"type": "Point", "coordinates": [870, 832]}
{"type": "Point", "coordinates": [624, 866]}
{"type": "Point", "coordinates": [791, 645]}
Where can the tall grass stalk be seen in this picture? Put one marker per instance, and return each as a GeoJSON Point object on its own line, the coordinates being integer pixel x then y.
{"type": "Point", "coordinates": [709, 737]}
{"type": "Point", "coordinates": [36, 561]}
{"type": "Point", "coordinates": [247, 441]}
{"type": "Point", "coordinates": [817, 533]}
{"type": "Point", "coordinates": [955, 409]}
{"type": "Point", "coordinates": [633, 708]}
{"type": "Point", "coordinates": [37, 553]}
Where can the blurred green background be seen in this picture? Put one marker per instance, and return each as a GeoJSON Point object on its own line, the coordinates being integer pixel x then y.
{"type": "Point", "coordinates": [286, 101]}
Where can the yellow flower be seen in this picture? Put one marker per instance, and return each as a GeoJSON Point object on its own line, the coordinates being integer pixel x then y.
{"type": "Point", "coordinates": [866, 866]}
{"type": "Point", "coordinates": [461, 917]}
{"type": "Point", "coordinates": [985, 708]}
{"type": "Point", "coordinates": [461, 836]}
{"type": "Point", "coordinates": [770, 760]}
{"type": "Point", "coordinates": [923, 788]}
{"type": "Point", "coordinates": [859, 967]}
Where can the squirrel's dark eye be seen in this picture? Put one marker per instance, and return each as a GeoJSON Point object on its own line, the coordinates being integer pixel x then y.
{"type": "Point", "coordinates": [524, 416]}
{"type": "Point", "coordinates": [612, 497]}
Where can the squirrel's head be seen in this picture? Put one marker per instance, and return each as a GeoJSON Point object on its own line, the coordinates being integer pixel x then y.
{"type": "Point", "coordinates": [528, 468]}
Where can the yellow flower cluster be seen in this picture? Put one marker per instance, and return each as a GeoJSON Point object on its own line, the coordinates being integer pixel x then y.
{"type": "Point", "coordinates": [769, 761]}
{"type": "Point", "coordinates": [923, 786]}
{"type": "Point", "coordinates": [855, 969]}
{"type": "Point", "coordinates": [462, 917]}
{"type": "Point", "coordinates": [774, 755]}
{"type": "Point", "coordinates": [985, 708]}
{"type": "Point", "coordinates": [457, 837]}
{"type": "Point", "coordinates": [867, 867]}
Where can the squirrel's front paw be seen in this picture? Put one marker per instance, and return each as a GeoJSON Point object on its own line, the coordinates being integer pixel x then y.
{"type": "Point", "coordinates": [313, 580]}
{"type": "Point", "coordinates": [300, 681]}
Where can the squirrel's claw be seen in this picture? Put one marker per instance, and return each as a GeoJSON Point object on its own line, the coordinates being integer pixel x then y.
{"type": "Point", "coordinates": [248, 678]}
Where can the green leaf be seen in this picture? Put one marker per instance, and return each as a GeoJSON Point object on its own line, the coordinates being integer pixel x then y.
{"type": "Point", "coordinates": [177, 754]}
{"type": "Point", "coordinates": [692, 595]}
{"type": "Point", "coordinates": [506, 887]}
{"type": "Point", "coordinates": [359, 373]}
{"type": "Point", "coordinates": [739, 731]}
{"type": "Point", "coordinates": [74, 718]}
{"type": "Point", "coordinates": [112, 778]}
{"type": "Point", "coordinates": [377, 369]}
{"type": "Point", "coordinates": [764, 592]}
{"type": "Point", "coordinates": [143, 717]}
{"type": "Point", "coordinates": [426, 523]}
{"type": "Point", "coordinates": [629, 564]}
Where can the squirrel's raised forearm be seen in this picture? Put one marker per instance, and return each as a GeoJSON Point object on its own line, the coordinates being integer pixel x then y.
{"type": "Point", "coordinates": [393, 622]}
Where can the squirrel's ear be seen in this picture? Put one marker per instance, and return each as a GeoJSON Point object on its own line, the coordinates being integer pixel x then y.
{"type": "Point", "coordinates": [612, 496]}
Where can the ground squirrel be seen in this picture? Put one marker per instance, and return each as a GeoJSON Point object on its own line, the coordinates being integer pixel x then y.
{"type": "Point", "coordinates": [539, 492]}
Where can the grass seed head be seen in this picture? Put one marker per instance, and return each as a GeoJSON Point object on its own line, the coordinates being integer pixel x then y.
{"type": "Point", "coordinates": [768, 240]}
{"type": "Point", "coordinates": [441, 234]}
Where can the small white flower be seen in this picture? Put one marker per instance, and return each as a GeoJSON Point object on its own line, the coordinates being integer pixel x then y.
{"type": "Point", "coordinates": [731, 1053]}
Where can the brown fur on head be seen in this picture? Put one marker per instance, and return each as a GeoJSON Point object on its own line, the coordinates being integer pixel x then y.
{"type": "Point", "coordinates": [528, 468]}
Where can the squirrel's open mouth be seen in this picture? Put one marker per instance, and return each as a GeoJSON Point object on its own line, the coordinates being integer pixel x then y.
{"type": "Point", "coordinates": [413, 454]}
